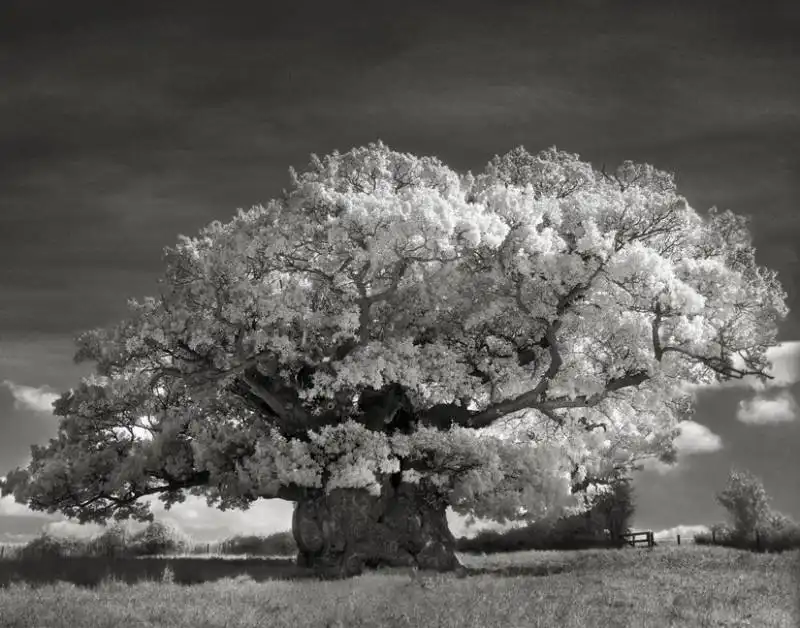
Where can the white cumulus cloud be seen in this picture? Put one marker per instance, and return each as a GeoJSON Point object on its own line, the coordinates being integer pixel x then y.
{"type": "Point", "coordinates": [761, 410]}
{"type": "Point", "coordinates": [696, 439]}
{"type": "Point", "coordinates": [10, 508]}
{"type": "Point", "coordinates": [31, 397]}
{"type": "Point", "coordinates": [693, 439]}
{"type": "Point", "coordinates": [460, 525]}
{"type": "Point", "coordinates": [205, 523]}
{"type": "Point", "coordinates": [687, 533]}
{"type": "Point", "coordinates": [73, 529]}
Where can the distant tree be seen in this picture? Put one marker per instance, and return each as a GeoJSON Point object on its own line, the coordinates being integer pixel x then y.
{"type": "Point", "coordinates": [390, 338]}
{"type": "Point", "coordinates": [48, 546]}
{"type": "Point", "coordinates": [113, 541]}
{"type": "Point", "coordinates": [746, 501]}
{"type": "Point", "coordinates": [276, 544]}
{"type": "Point", "coordinates": [158, 538]}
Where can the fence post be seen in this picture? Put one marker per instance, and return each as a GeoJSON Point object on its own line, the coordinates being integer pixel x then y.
{"type": "Point", "coordinates": [679, 539]}
{"type": "Point", "coordinates": [758, 541]}
{"type": "Point", "coordinates": [713, 537]}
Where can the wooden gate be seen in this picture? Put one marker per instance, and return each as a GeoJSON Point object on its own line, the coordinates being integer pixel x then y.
{"type": "Point", "coordinates": [638, 538]}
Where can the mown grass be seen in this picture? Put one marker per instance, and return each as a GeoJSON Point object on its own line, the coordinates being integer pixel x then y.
{"type": "Point", "coordinates": [675, 586]}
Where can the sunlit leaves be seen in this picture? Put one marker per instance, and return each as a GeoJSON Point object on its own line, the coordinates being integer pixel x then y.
{"type": "Point", "coordinates": [602, 291]}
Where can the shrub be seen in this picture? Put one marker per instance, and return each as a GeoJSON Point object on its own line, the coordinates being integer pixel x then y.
{"type": "Point", "coordinates": [278, 544]}
{"type": "Point", "coordinates": [158, 538]}
{"type": "Point", "coordinates": [781, 540]}
{"type": "Point", "coordinates": [48, 546]}
{"type": "Point", "coordinates": [113, 541]}
{"type": "Point", "coordinates": [778, 534]}
{"type": "Point", "coordinates": [754, 525]}
{"type": "Point", "coordinates": [719, 534]}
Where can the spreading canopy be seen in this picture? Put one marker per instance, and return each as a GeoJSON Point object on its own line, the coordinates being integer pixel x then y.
{"type": "Point", "coordinates": [512, 339]}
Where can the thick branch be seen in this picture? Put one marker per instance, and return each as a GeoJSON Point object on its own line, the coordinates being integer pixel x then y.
{"type": "Point", "coordinates": [443, 415]}
{"type": "Point", "coordinates": [366, 301]}
{"type": "Point", "coordinates": [565, 302]}
{"type": "Point", "coordinates": [658, 350]}
{"type": "Point", "coordinates": [280, 409]}
{"type": "Point", "coordinates": [534, 399]}
{"type": "Point", "coordinates": [531, 401]}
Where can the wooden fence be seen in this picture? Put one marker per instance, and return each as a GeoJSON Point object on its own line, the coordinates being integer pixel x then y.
{"type": "Point", "coordinates": [639, 538]}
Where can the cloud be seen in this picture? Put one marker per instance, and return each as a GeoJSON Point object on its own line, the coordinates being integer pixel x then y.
{"type": "Point", "coordinates": [786, 363]}
{"type": "Point", "coordinates": [73, 529]}
{"type": "Point", "coordinates": [761, 410]}
{"type": "Point", "coordinates": [687, 532]}
{"type": "Point", "coordinates": [199, 521]}
{"type": "Point", "coordinates": [460, 525]}
{"type": "Point", "coordinates": [205, 523]}
{"type": "Point", "coordinates": [696, 439]}
{"type": "Point", "coordinates": [30, 397]}
{"type": "Point", "coordinates": [693, 439]}
{"type": "Point", "coordinates": [10, 508]}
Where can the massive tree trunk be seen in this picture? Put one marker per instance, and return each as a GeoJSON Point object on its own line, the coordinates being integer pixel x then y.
{"type": "Point", "coordinates": [341, 533]}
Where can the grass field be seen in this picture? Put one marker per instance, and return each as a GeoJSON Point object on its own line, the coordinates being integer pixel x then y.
{"type": "Point", "coordinates": [667, 586]}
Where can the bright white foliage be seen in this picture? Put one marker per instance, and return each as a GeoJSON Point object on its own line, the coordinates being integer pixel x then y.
{"type": "Point", "coordinates": [438, 281]}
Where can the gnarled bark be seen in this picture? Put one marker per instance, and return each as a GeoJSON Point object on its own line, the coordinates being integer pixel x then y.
{"type": "Point", "coordinates": [340, 533]}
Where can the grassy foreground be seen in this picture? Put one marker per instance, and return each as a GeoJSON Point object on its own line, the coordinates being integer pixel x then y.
{"type": "Point", "coordinates": [670, 586]}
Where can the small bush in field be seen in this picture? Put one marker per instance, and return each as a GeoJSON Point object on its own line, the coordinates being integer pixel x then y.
{"type": "Point", "coordinates": [281, 544]}
{"type": "Point", "coordinates": [278, 544]}
{"type": "Point", "coordinates": [720, 534]}
{"type": "Point", "coordinates": [113, 541]}
{"type": "Point", "coordinates": [781, 540]}
{"type": "Point", "coordinates": [158, 538]}
{"type": "Point", "coordinates": [48, 546]}
{"type": "Point", "coordinates": [779, 533]}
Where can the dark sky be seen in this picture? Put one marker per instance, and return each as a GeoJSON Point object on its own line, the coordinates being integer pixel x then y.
{"type": "Point", "coordinates": [124, 124]}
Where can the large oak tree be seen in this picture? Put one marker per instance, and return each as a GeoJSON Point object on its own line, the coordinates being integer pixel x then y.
{"type": "Point", "coordinates": [390, 338]}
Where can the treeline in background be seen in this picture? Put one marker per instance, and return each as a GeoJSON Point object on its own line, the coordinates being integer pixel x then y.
{"type": "Point", "coordinates": [157, 539]}
{"type": "Point", "coordinates": [753, 525]}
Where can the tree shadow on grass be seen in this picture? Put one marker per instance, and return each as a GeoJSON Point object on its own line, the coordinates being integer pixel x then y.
{"type": "Point", "coordinates": [512, 571]}
{"type": "Point", "coordinates": [92, 571]}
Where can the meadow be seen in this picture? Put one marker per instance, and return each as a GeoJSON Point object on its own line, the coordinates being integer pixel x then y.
{"type": "Point", "coordinates": [685, 585]}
